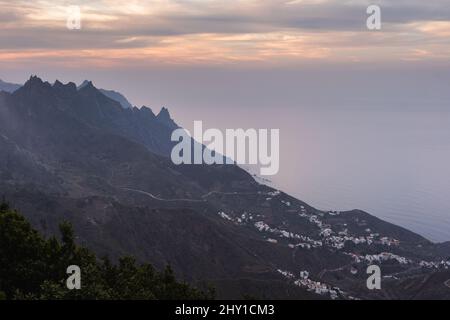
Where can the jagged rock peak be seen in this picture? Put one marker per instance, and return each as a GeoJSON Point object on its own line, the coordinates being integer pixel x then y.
{"type": "Point", "coordinates": [148, 110]}
{"type": "Point", "coordinates": [164, 114]}
{"type": "Point", "coordinates": [36, 83]}
{"type": "Point", "coordinates": [69, 87]}
{"type": "Point", "coordinates": [86, 84]}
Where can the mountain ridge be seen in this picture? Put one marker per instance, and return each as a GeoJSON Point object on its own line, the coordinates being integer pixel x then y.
{"type": "Point", "coordinates": [8, 87]}
{"type": "Point", "coordinates": [78, 155]}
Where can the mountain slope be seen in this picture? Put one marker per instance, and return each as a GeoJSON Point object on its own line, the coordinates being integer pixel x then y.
{"type": "Point", "coordinates": [34, 269]}
{"type": "Point", "coordinates": [117, 96]}
{"type": "Point", "coordinates": [76, 154]}
{"type": "Point", "coordinates": [114, 95]}
{"type": "Point", "coordinates": [8, 87]}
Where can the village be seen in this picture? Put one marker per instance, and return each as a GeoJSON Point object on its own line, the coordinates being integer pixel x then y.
{"type": "Point", "coordinates": [326, 237]}
{"type": "Point", "coordinates": [314, 286]}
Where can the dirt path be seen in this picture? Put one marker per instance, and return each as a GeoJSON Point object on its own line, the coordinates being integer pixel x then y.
{"type": "Point", "coordinates": [161, 199]}
{"type": "Point", "coordinates": [230, 193]}
{"type": "Point", "coordinates": [189, 200]}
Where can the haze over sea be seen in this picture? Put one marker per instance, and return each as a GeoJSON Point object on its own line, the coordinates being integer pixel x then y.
{"type": "Point", "coordinates": [390, 163]}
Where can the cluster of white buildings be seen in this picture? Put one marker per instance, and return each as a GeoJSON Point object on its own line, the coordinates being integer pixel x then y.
{"type": "Point", "coordinates": [338, 241]}
{"type": "Point", "coordinates": [389, 241]}
{"type": "Point", "coordinates": [328, 238]}
{"type": "Point", "coordinates": [313, 286]}
{"type": "Point", "coordinates": [272, 194]}
{"type": "Point", "coordinates": [435, 265]}
{"type": "Point", "coordinates": [242, 219]}
{"type": "Point", "coordinates": [223, 215]}
{"type": "Point", "coordinates": [307, 242]}
{"type": "Point", "coordinates": [377, 258]}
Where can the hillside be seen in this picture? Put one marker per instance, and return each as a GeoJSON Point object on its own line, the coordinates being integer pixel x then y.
{"type": "Point", "coordinates": [32, 267]}
{"type": "Point", "coordinates": [77, 155]}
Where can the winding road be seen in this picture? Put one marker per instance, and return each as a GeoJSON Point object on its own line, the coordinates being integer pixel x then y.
{"type": "Point", "coordinates": [188, 200]}
{"type": "Point", "coordinates": [230, 193]}
{"type": "Point", "coordinates": [161, 199]}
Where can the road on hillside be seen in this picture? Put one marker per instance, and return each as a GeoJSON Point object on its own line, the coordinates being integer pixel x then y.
{"type": "Point", "coordinates": [161, 199]}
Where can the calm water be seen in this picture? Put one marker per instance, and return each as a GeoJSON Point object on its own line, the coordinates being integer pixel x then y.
{"type": "Point", "coordinates": [393, 164]}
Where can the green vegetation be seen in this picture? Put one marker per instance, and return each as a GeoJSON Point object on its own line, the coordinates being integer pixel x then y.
{"type": "Point", "coordinates": [32, 267]}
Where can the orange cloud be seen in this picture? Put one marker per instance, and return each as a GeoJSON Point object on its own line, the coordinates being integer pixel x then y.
{"type": "Point", "coordinates": [209, 31]}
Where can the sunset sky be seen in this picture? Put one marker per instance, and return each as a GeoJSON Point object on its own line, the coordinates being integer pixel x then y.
{"type": "Point", "coordinates": [210, 50]}
{"type": "Point", "coordinates": [222, 32]}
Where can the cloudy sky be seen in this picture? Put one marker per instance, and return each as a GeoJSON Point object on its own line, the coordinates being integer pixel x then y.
{"type": "Point", "coordinates": [118, 33]}
{"type": "Point", "coordinates": [198, 47]}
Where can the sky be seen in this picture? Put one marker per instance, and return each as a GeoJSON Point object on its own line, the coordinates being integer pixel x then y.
{"type": "Point", "coordinates": [215, 32]}
{"type": "Point", "coordinates": [224, 53]}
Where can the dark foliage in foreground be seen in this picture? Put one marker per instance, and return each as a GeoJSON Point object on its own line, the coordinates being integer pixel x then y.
{"type": "Point", "coordinates": [32, 267]}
